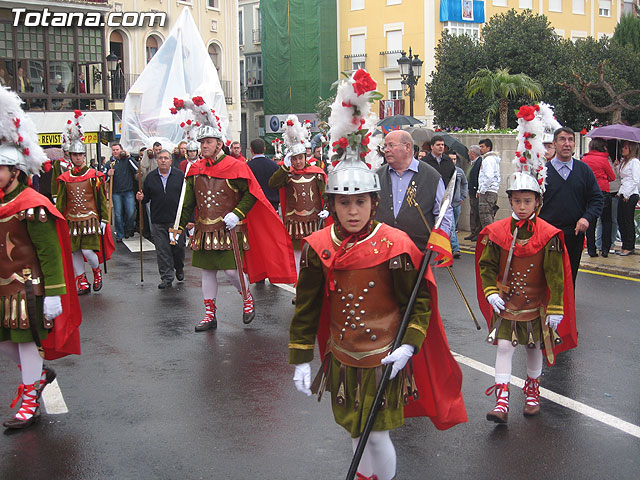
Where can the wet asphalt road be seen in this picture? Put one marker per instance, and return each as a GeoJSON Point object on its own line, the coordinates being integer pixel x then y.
{"type": "Point", "coordinates": [152, 399]}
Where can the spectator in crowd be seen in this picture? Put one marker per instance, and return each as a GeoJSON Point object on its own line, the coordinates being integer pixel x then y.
{"type": "Point", "coordinates": [422, 154]}
{"type": "Point", "coordinates": [629, 169]}
{"type": "Point", "coordinates": [24, 84]}
{"type": "Point", "coordinates": [316, 160]}
{"type": "Point", "coordinates": [236, 151]}
{"type": "Point", "coordinates": [614, 186]}
{"type": "Point", "coordinates": [426, 146]}
{"type": "Point", "coordinates": [192, 149]}
{"type": "Point", "coordinates": [598, 160]}
{"type": "Point", "coordinates": [401, 173]}
{"type": "Point", "coordinates": [263, 169]}
{"type": "Point", "coordinates": [572, 199]}
{"type": "Point", "coordinates": [122, 170]}
{"type": "Point", "coordinates": [472, 177]}
{"type": "Point", "coordinates": [459, 196]}
{"type": "Point", "coordinates": [162, 189]}
{"type": "Point", "coordinates": [179, 155]}
{"type": "Point", "coordinates": [438, 160]}
{"type": "Point", "coordinates": [488, 183]}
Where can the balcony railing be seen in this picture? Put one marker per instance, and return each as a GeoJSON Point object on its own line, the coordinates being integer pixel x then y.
{"type": "Point", "coordinates": [389, 59]}
{"type": "Point", "coordinates": [253, 93]}
{"type": "Point", "coordinates": [256, 35]}
{"type": "Point", "coordinates": [227, 88]}
{"type": "Point", "coordinates": [355, 61]}
{"type": "Point", "coordinates": [120, 84]}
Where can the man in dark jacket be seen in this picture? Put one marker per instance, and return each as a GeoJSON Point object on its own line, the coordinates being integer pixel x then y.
{"type": "Point", "coordinates": [439, 160]}
{"type": "Point", "coordinates": [122, 170]}
{"type": "Point", "coordinates": [475, 155]}
{"type": "Point", "coordinates": [263, 169]}
{"type": "Point", "coordinates": [162, 188]}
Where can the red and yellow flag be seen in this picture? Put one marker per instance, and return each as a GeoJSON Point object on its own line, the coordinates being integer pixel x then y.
{"type": "Point", "coordinates": [439, 242]}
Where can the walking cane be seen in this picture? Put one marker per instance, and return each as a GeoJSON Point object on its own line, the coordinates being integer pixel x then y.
{"type": "Point", "coordinates": [140, 219]}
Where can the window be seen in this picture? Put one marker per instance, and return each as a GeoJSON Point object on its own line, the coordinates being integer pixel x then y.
{"type": "Point", "coordinates": [358, 55]}
{"type": "Point", "coordinates": [253, 66]}
{"type": "Point", "coordinates": [394, 2]}
{"type": "Point", "coordinates": [462, 28]}
{"type": "Point", "coordinates": [525, 4]}
{"type": "Point", "coordinates": [578, 35]}
{"type": "Point", "coordinates": [214, 53]}
{"type": "Point", "coordinates": [213, 4]}
{"type": "Point", "coordinates": [152, 46]}
{"type": "Point", "coordinates": [357, 4]}
{"type": "Point", "coordinates": [604, 8]}
{"type": "Point", "coordinates": [578, 7]}
{"type": "Point", "coordinates": [394, 87]}
{"type": "Point", "coordinates": [242, 76]}
{"type": "Point", "coordinates": [257, 24]}
{"type": "Point", "coordinates": [555, 5]}
{"type": "Point", "coordinates": [394, 48]}
{"type": "Point", "coordinates": [499, 3]}
{"type": "Point", "coordinates": [240, 26]}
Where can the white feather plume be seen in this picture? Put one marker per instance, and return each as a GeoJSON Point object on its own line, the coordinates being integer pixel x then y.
{"type": "Point", "coordinates": [295, 133]}
{"type": "Point", "coordinates": [203, 114]}
{"type": "Point", "coordinates": [530, 151]}
{"type": "Point", "coordinates": [548, 117]}
{"type": "Point", "coordinates": [74, 129]}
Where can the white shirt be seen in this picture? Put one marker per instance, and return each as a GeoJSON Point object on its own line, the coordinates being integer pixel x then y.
{"type": "Point", "coordinates": [489, 176]}
{"type": "Point", "coordinates": [629, 178]}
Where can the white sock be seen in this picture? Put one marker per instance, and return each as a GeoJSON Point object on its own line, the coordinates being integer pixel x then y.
{"type": "Point", "coordinates": [534, 361]}
{"type": "Point", "coordinates": [504, 354]}
{"type": "Point", "coordinates": [297, 254]}
{"type": "Point", "coordinates": [10, 350]}
{"type": "Point", "coordinates": [209, 283]}
{"type": "Point", "coordinates": [91, 257]}
{"type": "Point", "coordinates": [233, 277]}
{"type": "Point", "coordinates": [30, 362]}
{"type": "Point", "coordinates": [379, 456]}
{"type": "Point", "coordinates": [78, 262]}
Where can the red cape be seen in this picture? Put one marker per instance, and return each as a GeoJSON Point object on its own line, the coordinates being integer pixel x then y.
{"type": "Point", "coordinates": [500, 233]}
{"type": "Point", "coordinates": [283, 192]}
{"type": "Point", "coordinates": [437, 373]}
{"type": "Point", "coordinates": [109, 245]}
{"type": "Point", "coordinates": [64, 339]}
{"type": "Point", "coordinates": [270, 253]}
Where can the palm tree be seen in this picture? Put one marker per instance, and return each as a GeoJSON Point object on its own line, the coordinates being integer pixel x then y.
{"type": "Point", "coordinates": [502, 86]}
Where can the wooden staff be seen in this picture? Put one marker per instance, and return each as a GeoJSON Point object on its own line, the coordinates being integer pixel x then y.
{"type": "Point", "coordinates": [140, 218]}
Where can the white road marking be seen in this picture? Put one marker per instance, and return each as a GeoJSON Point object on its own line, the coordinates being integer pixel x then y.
{"type": "Point", "coordinates": [133, 244]}
{"type": "Point", "coordinates": [53, 399]}
{"type": "Point", "coordinates": [566, 402]}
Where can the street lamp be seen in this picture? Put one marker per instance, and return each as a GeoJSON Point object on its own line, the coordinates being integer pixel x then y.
{"type": "Point", "coordinates": [112, 62]}
{"type": "Point", "coordinates": [410, 71]}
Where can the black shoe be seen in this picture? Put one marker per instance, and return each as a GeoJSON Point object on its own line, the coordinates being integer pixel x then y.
{"type": "Point", "coordinates": [593, 254]}
{"type": "Point", "coordinates": [456, 254]}
{"type": "Point", "coordinates": [469, 237]}
{"type": "Point", "coordinates": [118, 240]}
{"type": "Point", "coordinates": [180, 275]}
{"type": "Point", "coordinates": [164, 284]}
{"type": "Point", "coordinates": [206, 325]}
{"type": "Point", "coordinates": [604, 254]}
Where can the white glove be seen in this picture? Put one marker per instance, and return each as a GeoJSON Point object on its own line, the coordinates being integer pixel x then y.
{"type": "Point", "coordinates": [287, 160]}
{"type": "Point", "coordinates": [52, 307]}
{"type": "Point", "coordinates": [302, 378]}
{"type": "Point", "coordinates": [399, 357]}
{"type": "Point", "coordinates": [103, 227]}
{"type": "Point", "coordinates": [173, 237]}
{"type": "Point", "coordinates": [231, 220]}
{"type": "Point", "coordinates": [191, 230]}
{"type": "Point", "coordinates": [323, 214]}
{"type": "Point", "coordinates": [496, 302]}
{"type": "Point", "coordinates": [553, 321]}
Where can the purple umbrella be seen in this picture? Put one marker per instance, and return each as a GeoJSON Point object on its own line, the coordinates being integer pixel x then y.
{"type": "Point", "coordinates": [617, 132]}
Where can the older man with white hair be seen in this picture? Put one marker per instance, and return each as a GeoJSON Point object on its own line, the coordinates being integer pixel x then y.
{"type": "Point", "coordinates": [401, 173]}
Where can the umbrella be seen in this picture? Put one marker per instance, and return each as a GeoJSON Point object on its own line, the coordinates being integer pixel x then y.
{"type": "Point", "coordinates": [456, 145]}
{"type": "Point", "coordinates": [420, 135]}
{"type": "Point", "coordinates": [617, 132]}
{"type": "Point", "coordinates": [398, 120]}
{"type": "Point", "coordinates": [54, 153]}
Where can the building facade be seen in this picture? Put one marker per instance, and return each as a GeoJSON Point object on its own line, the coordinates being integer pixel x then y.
{"type": "Point", "coordinates": [372, 33]}
{"type": "Point", "coordinates": [134, 46]}
{"type": "Point", "coordinates": [251, 79]}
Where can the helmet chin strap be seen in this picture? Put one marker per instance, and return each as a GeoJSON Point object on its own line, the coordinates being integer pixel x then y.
{"type": "Point", "coordinates": [4, 190]}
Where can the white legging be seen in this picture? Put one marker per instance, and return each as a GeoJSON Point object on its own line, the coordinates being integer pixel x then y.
{"type": "Point", "coordinates": [78, 261]}
{"type": "Point", "coordinates": [379, 456]}
{"type": "Point", "coordinates": [210, 282]}
{"type": "Point", "coordinates": [297, 254]}
{"type": "Point", "coordinates": [504, 355]}
{"type": "Point", "coordinates": [28, 356]}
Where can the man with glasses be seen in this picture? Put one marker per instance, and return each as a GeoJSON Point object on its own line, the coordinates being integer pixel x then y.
{"type": "Point", "coordinates": [403, 173]}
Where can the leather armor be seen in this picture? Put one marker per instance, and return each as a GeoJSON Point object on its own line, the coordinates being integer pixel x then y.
{"type": "Point", "coordinates": [304, 202]}
{"type": "Point", "coordinates": [81, 210]}
{"type": "Point", "coordinates": [525, 287]}
{"type": "Point", "coordinates": [17, 254]}
{"type": "Point", "coordinates": [215, 197]}
{"type": "Point", "coordinates": [364, 316]}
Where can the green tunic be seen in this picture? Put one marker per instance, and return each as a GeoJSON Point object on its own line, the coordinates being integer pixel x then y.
{"type": "Point", "coordinates": [489, 265]}
{"type": "Point", "coordinates": [310, 295]}
{"type": "Point", "coordinates": [216, 259]}
{"type": "Point", "coordinates": [90, 241]}
{"type": "Point", "coordinates": [56, 171]}
{"type": "Point", "coordinates": [44, 236]}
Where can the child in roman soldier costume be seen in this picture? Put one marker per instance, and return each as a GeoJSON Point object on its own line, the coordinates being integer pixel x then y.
{"type": "Point", "coordinates": [524, 276]}
{"type": "Point", "coordinates": [81, 199]}
{"type": "Point", "coordinates": [236, 228]}
{"type": "Point", "coordinates": [355, 281]}
{"type": "Point", "coordinates": [39, 310]}
{"type": "Point", "coordinates": [301, 187]}
{"type": "Point", "coordinates": [63, 164]}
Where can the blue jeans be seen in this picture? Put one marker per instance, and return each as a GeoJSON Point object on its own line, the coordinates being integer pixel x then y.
{"type": "Point", "coordinates": [124, 212]}
{"type": "Point", "coordinates": [455, 246]}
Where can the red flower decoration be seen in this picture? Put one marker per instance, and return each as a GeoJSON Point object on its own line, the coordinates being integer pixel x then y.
{"type": "Point", "coordinates": [20, 139]}
{"type": "Point", "coordinates": [307, 121]}
{"type": "Point", "coordinates": [46, 166]}
{"type": "Point", "coordinates": [583, 131]}
{"type": "Point", "coordinates": [517, 154]}
{"type": "Point", "coordinates": [173, 110]}
{"type": "Point", "coordinates": [26, 151]}
{"type": "Point", "coordinates": [290, 123]}
{"type": "Point", "coordinates": [540, 180]}
{"type": "Point", "coordinates": [69, 122]}
{"type": "Point", "coordinates": [345, 104]}
{"type": "Point", "coordinates": [363, 82]}
{"type": "Point", "coordinates": [365, 141]}
{"type": "Point", "coordinates": [197, 101]}
{"type": "Point", "coordinates": [527, 112]}
{"type": "Point", "coordinates": [363, 154]}
{"type": "Point", "coordinates": [178, 103]}
{"type": "Point", "coordinates": [335, 163]}
{"type": "Point", "coordinates": [77, 113]}
{"type": "Point", "coordinates": [523, 160]}
{"type": "Point", "coordinates": [343, 142]}
{"type": "Point", "coordinates": [527, 134]}
{"type": "Point", "coordinates": [527, 144]}
{"type": "Point", "coordinates": [182, 125]}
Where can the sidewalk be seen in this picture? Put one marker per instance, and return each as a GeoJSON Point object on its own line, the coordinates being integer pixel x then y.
{"type": "Point", "coordinates": [628, 266]}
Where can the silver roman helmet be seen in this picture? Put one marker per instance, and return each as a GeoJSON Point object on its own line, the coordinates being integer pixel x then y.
{"type": "Point", "coordinates": [521, 181]}
{"type": "Point", "coordinates": [297, 149]}
{"type": "Point", "coordinates": [77, 147]}
{"type": "Point", "coordinates": [208, 131]}
{"type": "Point", "coordinates": [352, 176]}
{"type": "Point", "coordinates": [193, 146]}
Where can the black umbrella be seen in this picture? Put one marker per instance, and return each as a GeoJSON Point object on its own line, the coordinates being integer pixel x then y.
{"type": "Point", "coordinates": [456, 145]}
{"type": "Point", "coordinates": [398, 120]}
{"type": "Point", "coordinates": [420, 135]}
